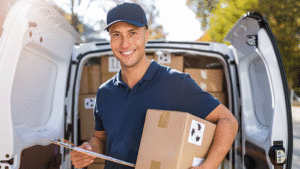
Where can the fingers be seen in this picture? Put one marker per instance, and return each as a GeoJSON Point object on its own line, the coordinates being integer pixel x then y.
{"type": "Point", "coordinates": [79, 159]}
{"type": "Point", "coordinates": [86, 146]}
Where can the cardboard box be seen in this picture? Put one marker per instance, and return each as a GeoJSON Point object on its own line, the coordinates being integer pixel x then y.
{"type": "Point", "coordinates": [174, 140]}
{"type": "Point", "coordinates": [174, 62]}
{"type": "Point", "coordinates": [86, 113]}
{"type": "Point", "coordinates": [90, 79]}
{"type": "Point", "coordinates": [220, 96]}
{"type": "Point", "coordinates": [210, 80]}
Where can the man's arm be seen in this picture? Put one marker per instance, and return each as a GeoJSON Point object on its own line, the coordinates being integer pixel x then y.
{"type": "Point", "coordinates": [225, 133]}
{"type": "Point", "coordinates": [96, 144]}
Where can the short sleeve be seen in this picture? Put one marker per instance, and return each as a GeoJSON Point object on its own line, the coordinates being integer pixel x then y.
{"type": "Point", "coordinates": [98, 121]}
{"type": "Point", "coordinates": [194, 100]}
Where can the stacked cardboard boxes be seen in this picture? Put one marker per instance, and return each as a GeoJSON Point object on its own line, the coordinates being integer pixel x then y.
{"type": "Point", "coordinates": [170, 60]}
{"type": "Point", "coordinates": [174, 140]}
{"type": "Point", "coordinates": [90, 79]}
{"type": "Point", "coordinates": [90, 82]}
{"type": "Point", "coordinates": [210, 80]}
{"type": "Point", "coordinates": [110, 65]}
{"type": "Point", "coordinates": [86, 114]}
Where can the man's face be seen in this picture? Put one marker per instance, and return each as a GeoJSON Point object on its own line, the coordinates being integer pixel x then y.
{"type": "Point", "coordinates": [128, 43]}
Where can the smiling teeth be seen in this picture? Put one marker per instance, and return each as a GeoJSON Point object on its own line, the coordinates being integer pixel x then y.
{"type": "Point", "coordinates": [127, 53]}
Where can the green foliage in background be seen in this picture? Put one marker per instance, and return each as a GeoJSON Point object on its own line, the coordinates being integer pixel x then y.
{"type": "Point", "coordinates": [202, 9]}
{"type": "Point", "coordinates": [225, 15]}
{"type": "Point", "coordinates": [284, 20]}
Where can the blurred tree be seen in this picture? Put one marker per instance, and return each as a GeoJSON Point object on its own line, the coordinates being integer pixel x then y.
{"type": "Point", "coordinates": [86, 30]}
{"type": "Point", "coordinates": [202, 9]}
{"type": "Point", "coordinates": [283, 18]}
{"type": "Point", "coordinates": [75, 20]}
{"type": "Point", "coordinates": [225, 15]}
{"type": "Point", "coordinates": [156, 30]}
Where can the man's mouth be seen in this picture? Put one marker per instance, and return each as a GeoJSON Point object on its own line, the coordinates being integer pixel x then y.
{"type": "Point", "coordinates": [128, 52]}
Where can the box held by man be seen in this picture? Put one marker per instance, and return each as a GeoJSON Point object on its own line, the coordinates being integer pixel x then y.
{"type": "Point", "coordinates": [174, 140]}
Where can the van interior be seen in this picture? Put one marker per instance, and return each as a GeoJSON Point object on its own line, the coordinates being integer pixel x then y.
{"type": "Point", "coordinates": [207, 71]}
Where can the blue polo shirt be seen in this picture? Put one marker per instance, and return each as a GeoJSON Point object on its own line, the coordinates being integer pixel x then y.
{"type": "Point", "coordinates": [121, 111]}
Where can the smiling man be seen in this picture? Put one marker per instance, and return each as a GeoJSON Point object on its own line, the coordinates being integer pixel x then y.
{"type": "Point", "coordinates": [122, 102]}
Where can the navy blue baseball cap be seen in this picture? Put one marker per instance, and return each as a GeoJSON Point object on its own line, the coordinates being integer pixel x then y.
{"type": "Point", "coordinates": [126, 12]}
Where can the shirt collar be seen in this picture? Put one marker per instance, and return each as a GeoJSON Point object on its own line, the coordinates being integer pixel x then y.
{"type": "Point", "coordinates": [151, 71]}
{"type": "Point", "coordinates": [118, 80]}
{"type": "Point", "coordinates": [149, 75]}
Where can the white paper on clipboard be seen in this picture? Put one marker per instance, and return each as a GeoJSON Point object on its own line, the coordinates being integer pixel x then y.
{"type": "Point", "coordinates": [90, 152]}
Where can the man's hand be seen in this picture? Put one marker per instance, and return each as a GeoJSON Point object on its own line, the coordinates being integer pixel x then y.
{"type": "Point", "coordinates": [80, 160]}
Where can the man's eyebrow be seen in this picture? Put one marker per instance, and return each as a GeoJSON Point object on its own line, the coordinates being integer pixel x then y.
{"type": "Point", "coordinates": [115, 32]}
{"type": "Point", "coordinates": [134, 29]}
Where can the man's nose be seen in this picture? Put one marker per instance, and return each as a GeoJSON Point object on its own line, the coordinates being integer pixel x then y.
{"type": "Point", "coordinates": [125, 42]}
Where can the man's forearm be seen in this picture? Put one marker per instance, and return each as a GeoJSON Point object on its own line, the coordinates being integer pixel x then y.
{"type": "Point", "coordinates": [225, 133]}
{"type": "Point", "coordinates": [98, 142]}
{"type": "Point", "coordinates": [224, 136]}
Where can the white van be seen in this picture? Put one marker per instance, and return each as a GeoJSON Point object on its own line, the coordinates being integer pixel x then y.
{"type": "Point", "coordinates": [43, 74]}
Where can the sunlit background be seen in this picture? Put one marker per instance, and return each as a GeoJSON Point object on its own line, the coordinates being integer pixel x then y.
{"type": "Point", "coordinates": [178, 21]}
{"type": "Point", "coordinates": [190, 20]}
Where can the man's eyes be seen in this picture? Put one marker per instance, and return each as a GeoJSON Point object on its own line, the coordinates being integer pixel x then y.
{"type": "Point", "coordinates": [118, 35]}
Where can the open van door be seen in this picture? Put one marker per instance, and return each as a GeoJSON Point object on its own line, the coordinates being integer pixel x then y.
{"type": "Point", "coordinates": [266, 121]}
{"type": "Point", "coordinates": [35, 53]}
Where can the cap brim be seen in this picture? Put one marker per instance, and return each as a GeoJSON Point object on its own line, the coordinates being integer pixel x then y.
{"type": "Point", "coordinates": [131, 22]}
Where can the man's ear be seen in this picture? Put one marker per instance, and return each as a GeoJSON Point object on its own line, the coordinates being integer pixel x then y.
{"type": "Point", "coordinates": [146, 35]}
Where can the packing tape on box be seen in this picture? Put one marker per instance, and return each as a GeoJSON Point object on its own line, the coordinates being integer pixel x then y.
{"type": "Point", "coordinates": [155, 165]}
{"type": "Point", "coordinates": [164, 120]}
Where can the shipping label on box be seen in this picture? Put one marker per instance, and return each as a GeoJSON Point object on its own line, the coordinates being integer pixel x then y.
{"type": "Point", "coordinates": [196, 132]}
{"type": "Point", "coordinates": [163, 57]}
{"type": "Point", "coordinates": [113, 64]}
{"type": "Point", "coordinates": [109, 68]}
{"type": "Point", "coordinates": [170, 60]}
{"type": "Point", "coordinates": [174, 140]}
{"type": "Point", "coordinates": [89, 103]}
{"type": "Point", "coordinates": [85, 110]}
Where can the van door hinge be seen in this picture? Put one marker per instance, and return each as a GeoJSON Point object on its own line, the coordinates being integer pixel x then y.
{"type": "Point", "coordinates": [277, 153]}
{"type": "Point", "coordinates": [10, 161]}
{"type": "Point", "coordinates": [252, 40]}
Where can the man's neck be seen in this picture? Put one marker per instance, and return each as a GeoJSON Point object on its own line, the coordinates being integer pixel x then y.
{"type": "Point", "coordinates": [131, 75]}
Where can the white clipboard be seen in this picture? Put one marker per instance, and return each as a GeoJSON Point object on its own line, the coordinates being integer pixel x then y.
{"type": "Point", "coordinates": [90, 152]}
